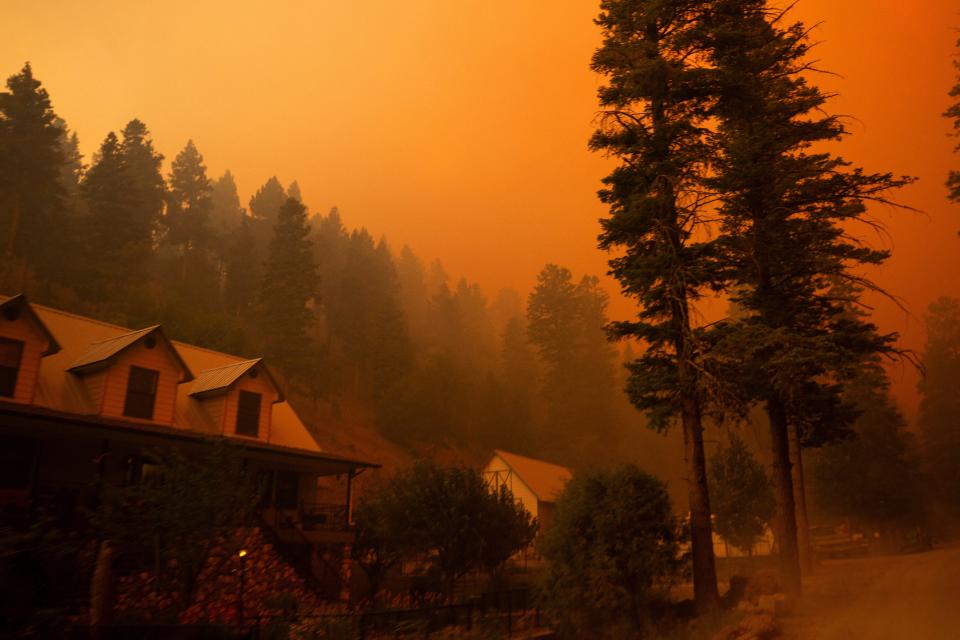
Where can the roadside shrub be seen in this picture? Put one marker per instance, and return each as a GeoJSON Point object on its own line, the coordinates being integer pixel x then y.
{"type": "Point", "coordinates": [614, 544]}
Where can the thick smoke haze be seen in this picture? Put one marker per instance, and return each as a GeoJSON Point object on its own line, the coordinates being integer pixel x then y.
{"type": "Point", "coordinates": [460, 128]}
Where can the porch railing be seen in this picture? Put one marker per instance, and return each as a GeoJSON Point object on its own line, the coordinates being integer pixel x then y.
{"type": "Point", "coordinates": [324, 517]}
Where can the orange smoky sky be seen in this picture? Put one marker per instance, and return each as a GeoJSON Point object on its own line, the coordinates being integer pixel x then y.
{"type": "Point", "coordinates": [460, 128]}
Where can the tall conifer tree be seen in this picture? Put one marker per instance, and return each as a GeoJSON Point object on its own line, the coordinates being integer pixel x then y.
{"type": "Point", "coordinates": [786, 210]}
{"type": "Point", "coordinates": [31, 158]}
{"type": "Point", "coordinates": [953, 113]}
{"type": "Point", "coordinates": [289, 287]}
{"type": "Point", "coordinates": [116, 249]}
{"type": "Point", "coordinates": [145, 188]}
{"type": "Point", "coordinates": [189, 235]}
{"type": "Point", "coordinates": [565, 323]}
{"type": "Point", "coordinates": [653, 123]}
{"type": "Point", "coordinates": [226, 212]}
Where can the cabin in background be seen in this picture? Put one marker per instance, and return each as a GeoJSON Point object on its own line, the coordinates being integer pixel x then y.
{"type": "Point", "coordinates": [534, 483]}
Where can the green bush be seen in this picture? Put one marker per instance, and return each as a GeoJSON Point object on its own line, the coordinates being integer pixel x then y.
{"type": "Point", "coordinates": [614, 544]}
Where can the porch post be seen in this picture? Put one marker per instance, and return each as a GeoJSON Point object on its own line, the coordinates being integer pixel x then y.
{"type": "Point", "coordinates": [350, 476]}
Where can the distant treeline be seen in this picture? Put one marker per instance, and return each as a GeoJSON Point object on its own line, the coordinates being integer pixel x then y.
{"type": "Point", "coordinates": [344, 317]}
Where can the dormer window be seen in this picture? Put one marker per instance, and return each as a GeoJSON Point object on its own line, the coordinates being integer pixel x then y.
{"type": "Point", "coordinates": [248, 414]}
{"type": "Point", "coordinates": [141, 393]}
{"type": "Point", "coordinates": [11, 353]}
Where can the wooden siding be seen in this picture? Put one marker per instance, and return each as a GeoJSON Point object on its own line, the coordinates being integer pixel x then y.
{"type": "Point", "coordinates": [160, 359]}
{"type": "Point", "coordinates": [34, 344]}
{"type": "Point", "coordinates": [95, 383]}
{"type": "Point", "coordinates": [261, 384]}
{"type": "Point", "coordinates": [499, 469]}
{"type": "Point", "coordinates": [214, 406]}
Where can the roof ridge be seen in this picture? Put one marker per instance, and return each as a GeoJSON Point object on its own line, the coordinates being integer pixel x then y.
{"type": "Point", "coordinates": [537, 460]}
{"type": "Point", "coordinates": [128, 333]}
{"type": "Point", "coordinates": [227, 366]}
{"type": "Point", "coordinates": [213, 351]}
{"type": "Point", "coordinates": [79, 317]}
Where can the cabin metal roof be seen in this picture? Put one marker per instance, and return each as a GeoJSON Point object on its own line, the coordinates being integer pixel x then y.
{"type": "Point", "coordinates": [220, 379]}
{"type": "Point", "coordinates": [544, 479]}
{"type": "Point", "coordinates": [99, 353]}
{"type": "Point", "coordinates": [20, 301]}
{"type": "Point", "coordinates": [66, 394]}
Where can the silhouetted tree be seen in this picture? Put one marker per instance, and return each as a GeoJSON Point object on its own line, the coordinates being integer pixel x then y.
{"type": "Point", "coordinates": [784, 214]}
{"type": "Point", "coordinates": [654, 106]}
{"type": "Point", "coordinates": [225, 212]}
{"type": "Point", "coordinates": [145, 186]}
{"type": "Point", "coordinates": [743, 502]}
{"type": "Point", "coordinates": [116, 248]}
{"type": "Point", "coordinates": [365, 315]}
{"type": "Point", "coordinates": [266, 202]}
{"type": "Point", "coordinates": [953, 113]}
{"type": "Point", "coordinates": [940, 402]}
{"type": "Point", "coordinates": [31, 161]}
{"type": "Point", "coordinates": [288, 289]}
{"type": "Point", "coordinates": [612, 545]}
{"type": "Point", "coordinates": [871, 477]}
{"type": "Point", "coordinates": [243, 269]}
{"type": "Point", "coordinates": [293, 191]}
{"type": "Point", "coordinates": [71, 171]}
{"type": "Point", "coordinates": [189, 236]}
{"type": "Point", "coordinates": [565, 323]}
{"type": "Point", "coordinates": [452, 515]}
{"type": "Point", "coordinates": [413, 293]}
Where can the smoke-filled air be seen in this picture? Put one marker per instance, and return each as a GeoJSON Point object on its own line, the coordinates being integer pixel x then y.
{"type": "Point", "coordinates": [617, 319]}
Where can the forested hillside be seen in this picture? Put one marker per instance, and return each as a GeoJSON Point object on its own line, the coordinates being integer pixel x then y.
{"type": "Point", "coordinates": [372, 340]}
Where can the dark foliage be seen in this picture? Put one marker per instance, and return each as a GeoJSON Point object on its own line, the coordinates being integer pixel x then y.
{"type": "Point", "coordinates": [613, 547]}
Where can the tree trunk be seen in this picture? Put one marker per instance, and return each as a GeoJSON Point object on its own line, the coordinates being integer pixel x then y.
{"type": "Point", "coordinates": [102, 588]}
{"type": "Point", "coordinates": [800, 500]}
{"type": "Point", "coordinates": [705, 595]}
{"type": "Point", "coordinates": [786, 508]}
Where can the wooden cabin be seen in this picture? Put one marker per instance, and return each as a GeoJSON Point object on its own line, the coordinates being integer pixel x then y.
{"type": "Point", "coordinates": [83, 401]}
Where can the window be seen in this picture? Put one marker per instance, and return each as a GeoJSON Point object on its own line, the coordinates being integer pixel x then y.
{"type": "Point", "coordinates": [248, 414]}
{"type": "Point", "coordinates": [10, 354]}
{"type": "Point", "coordinates": [141, 393]}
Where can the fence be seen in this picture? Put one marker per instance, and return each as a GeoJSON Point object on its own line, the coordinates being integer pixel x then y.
{"type": "Point", "coordinates": [508, 610]}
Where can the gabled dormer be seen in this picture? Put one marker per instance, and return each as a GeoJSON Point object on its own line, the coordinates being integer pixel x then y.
{"type": "Point", "coordinates": [239, 398]}
{"type": "Point", "coordinates": [133, 376]}
{"type": "Point", "coordinates": [24, 341]}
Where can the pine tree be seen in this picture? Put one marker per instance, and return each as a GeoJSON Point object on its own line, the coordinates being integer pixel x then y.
{"type": "Point", "coordinates": [243, 270]}
{"type": "Point", "coordinates": [188, 232]}
{"type": "Point", "coordinates": [953, 113]}
{"type": "Point", "coordinates": [654, 112]}
{"type": "Point", "coordinates": [225, 213]}
{"type": "Point", "coordinates": [940, 402]}
{"type": "Point", "coordinates": [293, 191]}
{"type": "Point", "coordinates": [71, 171]}
{"type": "Point", "coordinates": [31, 158]}
{"type": "Point", "coordinates": [116, 250]}
{"type": "Point", "coordinates": [288, 289]}
{"type": "Point", "coordinates": [365, 315]}
{"type": "Point", "coordinates": [565, 323]}
{"type": "Point", "coordinates": [872, 476]}
{"type": "Point", "coordinates": [268, 199]}
{"type": "Point", "coordinates": [413, 292]}
{"type": "Point", "coordinates": [189, 201]}
{"type": "Point", "coordinates": [743, 502]}
{"type": "Point", "coordinates": [145, 187]}
{"type": "Point", "coordinates": [784, 213]}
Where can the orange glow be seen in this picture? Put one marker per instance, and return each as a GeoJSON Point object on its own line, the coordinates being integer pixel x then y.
{"type": "Point", "coordinates": [460, 128]}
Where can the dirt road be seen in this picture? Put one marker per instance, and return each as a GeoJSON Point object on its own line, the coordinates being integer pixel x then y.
{"type": "Point", "coordinates": [906, 597]}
